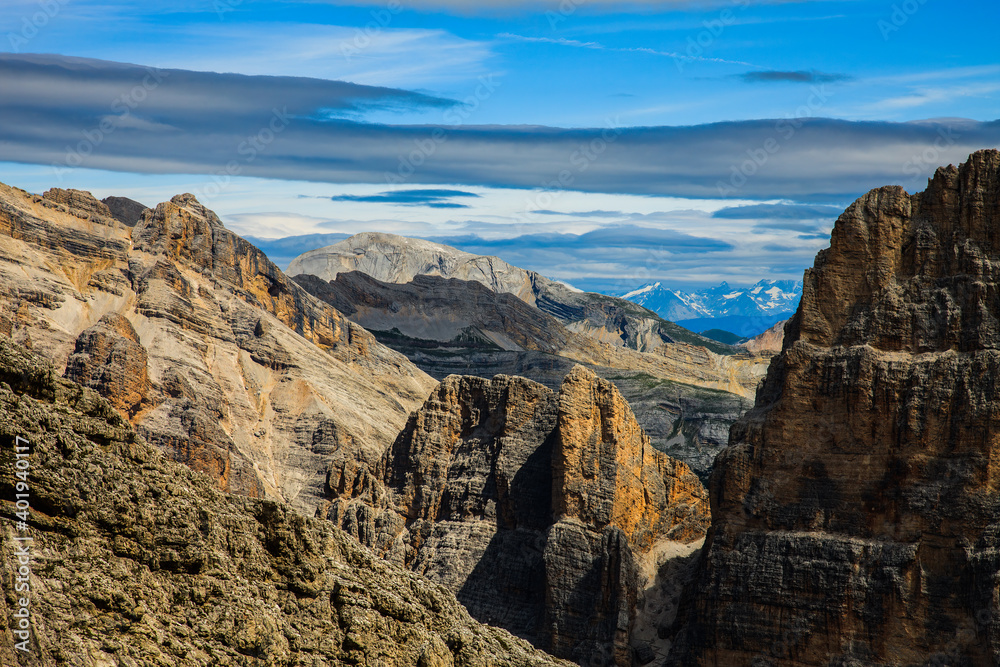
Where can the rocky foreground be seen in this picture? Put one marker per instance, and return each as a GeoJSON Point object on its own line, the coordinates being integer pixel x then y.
{"type": "Point", "coordinates": [856, 514]}
{"type": "Point", "coordinates": [140, 561]}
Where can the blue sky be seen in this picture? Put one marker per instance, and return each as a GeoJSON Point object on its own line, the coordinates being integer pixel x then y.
{"type": "Point", "coordinates": [730, 131]}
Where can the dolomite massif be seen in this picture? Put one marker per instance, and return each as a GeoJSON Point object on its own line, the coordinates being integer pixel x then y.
{"type": "Point", "coordinates": [212, 353]}
{"type": "Point", "coordinates": [451, 326]}
{"type": "Point", "coordinates": [855, 514]}
{"type": "Point", "coordinates": [540, 510]}
{"type": "Point", "coordinates": [138, 560]}
{"type": "Point", "coordinates": [621, 326]}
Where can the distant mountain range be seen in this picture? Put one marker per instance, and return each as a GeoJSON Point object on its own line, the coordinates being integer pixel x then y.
{"type": "Point", "coordinates": [742, 311]}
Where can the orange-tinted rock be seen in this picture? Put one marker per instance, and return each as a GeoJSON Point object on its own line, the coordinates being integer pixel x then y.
{"type": "Point", "coordinates": [533, 506]}
{"type": "Point", "coordinates": [109, 358]}
{"type": "Point", "coordinates": [250, 379]}
{"type": "Point", "coordinates": [855, 514]}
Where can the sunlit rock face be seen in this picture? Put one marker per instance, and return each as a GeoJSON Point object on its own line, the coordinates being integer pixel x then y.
{"type": "Point", "coordinates": [212, 353]}
{"type": "Point", "coordinates": [538, 508]}
{"type": "Point", "coordinates": [855, 515]}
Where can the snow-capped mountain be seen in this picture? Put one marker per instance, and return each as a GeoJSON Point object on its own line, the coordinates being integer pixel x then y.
{"type": "Point", "coordinates": [744, 311]}
{"type": "Point", "coordinates": [668, 304]}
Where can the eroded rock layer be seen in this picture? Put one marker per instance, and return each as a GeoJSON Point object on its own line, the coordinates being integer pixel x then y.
{"type": "Point", "coordinates": [856, 515]}
{"type": "Point", "coordinates": [449, 326]}
{"type": "Point", "coordinates": [212, 352]}
{"type": "Point", "coordinates": [137, 560]}
{"type": "Point", "coordinates": [537, 508]}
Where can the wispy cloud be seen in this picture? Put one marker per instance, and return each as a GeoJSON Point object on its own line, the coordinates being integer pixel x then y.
{"type": "Point", "coordinates": [778, 212]}
{"type": "Point", "coordinates": [597, 46]}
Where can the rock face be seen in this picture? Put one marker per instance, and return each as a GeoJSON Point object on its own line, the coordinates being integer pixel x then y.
{"type": "Point", "coordinates": [213, 354]}
{"type": "Point", "coordinates": [109, 358]}
{"type": "Point", "coordinates": [768, 342]}
{"type": "Point", "coordinates": [854, 517]}
{"type": "Point", "coordinates": [138, 560]}
{"type": "Point", "coordinates": [448, 326]}
{"type": "Point", "coordinates": [124, 210]}
{"type": "Point", "coordinates": [397, 259]}
{"type": "Point", "coordinates": [538, 509]}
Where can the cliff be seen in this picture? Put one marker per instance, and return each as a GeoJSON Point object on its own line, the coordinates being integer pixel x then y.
{"type": "Point", "coordinates": [684, 401]}
{"type": "Point", "coordinates": [212, 353]}
{"type": "Point", "coordinates": [139, 560]}
{"type": "Point", "coordinates": [855, 514]}
{"type": "Point", "coordinates": [539, 509]}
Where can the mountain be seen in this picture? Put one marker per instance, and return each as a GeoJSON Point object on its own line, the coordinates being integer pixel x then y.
{"type": "Point", "coordinates": [685, 397]}
{"type": "Point", "coordinates": [397, 259]}
{"type": "Point", "coordinates": [547, 513]}
{"type": "Point", "coordinates": [855, 513]}
{"type": "Point", "coordinates": [768, 342]}
{"type": "Point", "coordinates": [135, 559]}
{"type": "Point", "coordinates": [742, 311]}
{"type": "Point", "coordinates": [669, 304]}
{"type": "Point", "coordinates": [203, 344]}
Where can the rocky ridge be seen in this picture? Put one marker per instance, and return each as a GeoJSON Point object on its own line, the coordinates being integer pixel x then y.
{"type": "Point", "coordinates": [448, 326]}
{"type": "Point", "coordinates": [397, 259]}
{"type": "Point", "coordinates": [539, 509]}
{"type": "Point", "coordinates": [855, 514]}
{"type": "Point", "coordinates": [139, 560]}
{"type": "Point", "coordinates": [247, 377]}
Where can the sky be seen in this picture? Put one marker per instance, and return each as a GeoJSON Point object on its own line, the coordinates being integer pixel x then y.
{"type": "Point", "coordinates": [601, 142]}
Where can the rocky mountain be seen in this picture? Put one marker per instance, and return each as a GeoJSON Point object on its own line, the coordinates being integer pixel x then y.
{"type": "Point", "coordinates": [768, 342]}
{"type": "Point", "coordinates": [685, 398]}
{"type": "Point", "coordinates": [855, 514]}
{"type": "Point", "coordinates": [200, 341]}
{"type": "Point", "coordinates": [547, 513]}
{"type": "Point", "coordinates": [125, 210]}
{"type": "Point", "coordinates": [138, 560]}
{"type": "Point", "coordinates": [742, 311]}
{"type": "Point", "coordinates": [397, 259]}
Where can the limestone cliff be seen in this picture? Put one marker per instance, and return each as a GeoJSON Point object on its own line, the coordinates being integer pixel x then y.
{"type": "Point", "coordinates": [137, 560]}
{"type": "Point", "coordinates": [537, 508]}
{"type": "Point", "coordinates": [685, 401]}
{"type": "Point", "coordinates": [212, 352]}
{"type": "Point", "coordinates": [854, 517]}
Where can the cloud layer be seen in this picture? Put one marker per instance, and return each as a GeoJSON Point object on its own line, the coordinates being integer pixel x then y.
{"type": "Point", "coordinates": [72, 112]}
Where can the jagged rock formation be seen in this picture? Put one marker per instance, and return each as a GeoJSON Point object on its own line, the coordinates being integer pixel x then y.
{"type": "Point", "coordinates": [855, 515]}
{"type": "Point", "coordinates": [538, 509]}
{"type": "Point", "coordinates": [109, 358]}
{"type": "Point", "coordinates": [138, 560]}
{"type": "Point", "coordinates": [124, 210]}
{"type": "Point", "coordinates": [250, 379]}
{"type": "Point", "coordinates": [397, 259]}
{"type": "Point", "coordinates": [448, 326]}
{"type": "Point", "coordinates": [768, 342]}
